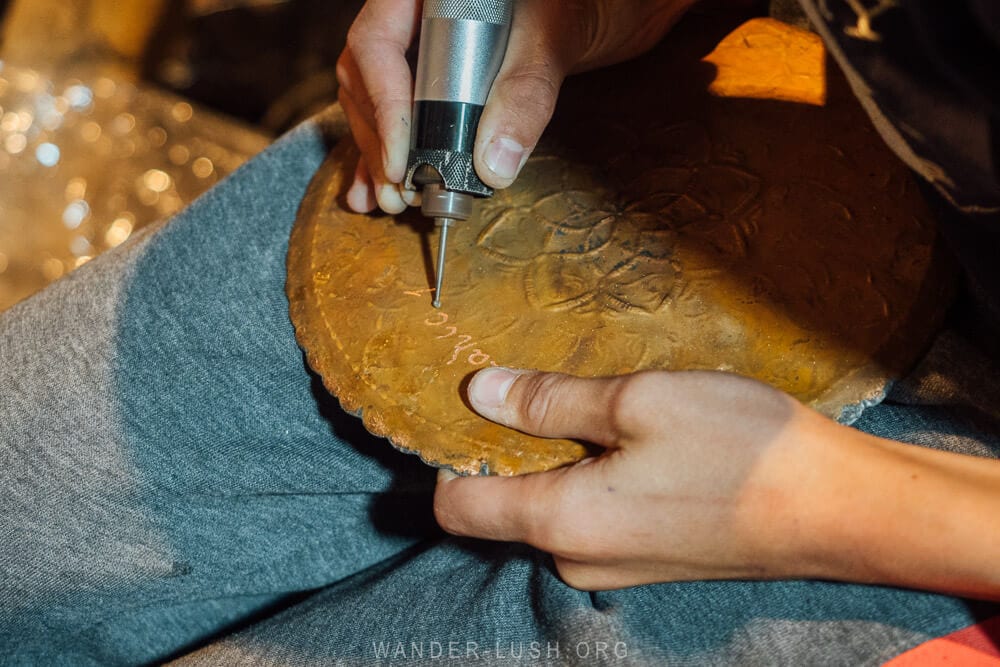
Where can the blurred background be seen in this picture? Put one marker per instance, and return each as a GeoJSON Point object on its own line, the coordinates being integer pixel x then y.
{"type": "Point", "coordinates": [117, 113]}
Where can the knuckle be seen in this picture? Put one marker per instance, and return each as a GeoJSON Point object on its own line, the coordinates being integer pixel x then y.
{"type": "Point", "coordinates": [631, 397]}
{"type": "Point", "coordinates": [445, 515]}
{"type": "Point", "coordinates": [358, 37]}
{"type": "Point", "coordinates": [540, 528]}
{"type": "Point", "coordinates": [569, 541]}
{"type": "Point", "coordinates": [539, 400]}
{"type": "Point", "coordinates": [530, 92]}
{"type": "Point", "coordinates": [343, 71]}
{"type": "Point", "coordinates": [558, 527]}
{"type": "Point", "coordinates": [576, 575]}
{"type": "Point", "coordinates": [386, 112]}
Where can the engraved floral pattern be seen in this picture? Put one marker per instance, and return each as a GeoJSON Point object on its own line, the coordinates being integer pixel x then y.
{"type": "Point", "coordinates": [609, 238]}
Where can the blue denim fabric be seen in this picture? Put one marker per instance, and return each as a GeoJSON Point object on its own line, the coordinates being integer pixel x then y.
{"type": "Point", "coordinates": [504, 605]}
{"type": "Point", "coordinates": [174, 482]}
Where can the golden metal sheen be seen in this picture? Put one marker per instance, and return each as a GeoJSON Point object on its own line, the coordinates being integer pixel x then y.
{"type": "Point", "coordinates": [659, 226]}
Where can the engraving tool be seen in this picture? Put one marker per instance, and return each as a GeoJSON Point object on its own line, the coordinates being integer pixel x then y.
{"type": "Point", "coordinates": [462, 45]}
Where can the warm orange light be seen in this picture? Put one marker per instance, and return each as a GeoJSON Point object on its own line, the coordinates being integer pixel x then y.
{"type": "Point", "coordinates": [770, 60]}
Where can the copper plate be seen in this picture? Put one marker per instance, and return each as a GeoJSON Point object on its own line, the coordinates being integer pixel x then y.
{"type": "Point", "coordinates": [658, 226]}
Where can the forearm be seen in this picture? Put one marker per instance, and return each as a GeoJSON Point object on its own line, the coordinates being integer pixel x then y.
{"type": "Point", "coordinates": [908, 516]}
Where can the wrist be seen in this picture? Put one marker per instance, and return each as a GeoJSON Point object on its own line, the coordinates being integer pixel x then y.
{"type": "Point", "coordinates": [794, 505]}
{"type": "Point", "coordinates": [884, 512]}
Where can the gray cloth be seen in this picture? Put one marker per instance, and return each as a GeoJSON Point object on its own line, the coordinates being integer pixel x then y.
{"type": "Point", "coordinates": [173, 477]}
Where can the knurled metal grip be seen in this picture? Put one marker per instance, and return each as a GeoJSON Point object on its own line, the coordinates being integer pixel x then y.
{"type": "Point", "coordinates": [486, 11]}
{"type": "Point", "coordinates": [462, 45]}
{"type": "Point", "coordinates": [456, 171]}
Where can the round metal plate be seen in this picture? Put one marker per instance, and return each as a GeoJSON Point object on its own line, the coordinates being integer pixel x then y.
{"type": "Point", "coordinates": [658, 226]}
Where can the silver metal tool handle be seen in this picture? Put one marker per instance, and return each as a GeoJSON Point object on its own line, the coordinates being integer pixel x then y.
{"type": "Point", "coordinates": [462, 45]}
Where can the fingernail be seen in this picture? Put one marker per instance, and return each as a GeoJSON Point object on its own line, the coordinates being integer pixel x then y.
{"type": "Point", "coordinates": [445, 475]}
{"type": "Point", "coordinates": [359, 198]}
{"type": "Point", "coordinates": [504, 157]}
{"type": "Point", "coordinates": [390, 199]}
{"type": "Point", "coordinates": [488, 389]}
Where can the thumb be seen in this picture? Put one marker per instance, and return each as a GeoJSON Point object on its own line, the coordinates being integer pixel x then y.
{"type": "Point", "coordinates": [523, 96]}
{"type": "Point", "coordinates": [551, 405]}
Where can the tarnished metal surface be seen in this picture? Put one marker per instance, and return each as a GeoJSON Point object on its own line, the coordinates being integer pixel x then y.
{"type": "Point", "coordinates": [658, 226]}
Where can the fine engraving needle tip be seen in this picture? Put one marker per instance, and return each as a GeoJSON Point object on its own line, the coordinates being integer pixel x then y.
{"type": "Point", "coordinates": [444, 223]}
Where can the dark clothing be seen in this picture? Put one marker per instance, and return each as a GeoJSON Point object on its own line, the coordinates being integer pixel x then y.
{"type": "Point", "coordinates": [932, 69]}
{"type": "Point", "coordinates": [928, 73]}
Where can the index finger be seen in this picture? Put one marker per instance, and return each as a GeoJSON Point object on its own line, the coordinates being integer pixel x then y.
{"type": "Point", "coordinates": [378, 41]}
{"type": "Point", "coordinates": [506, 509]}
